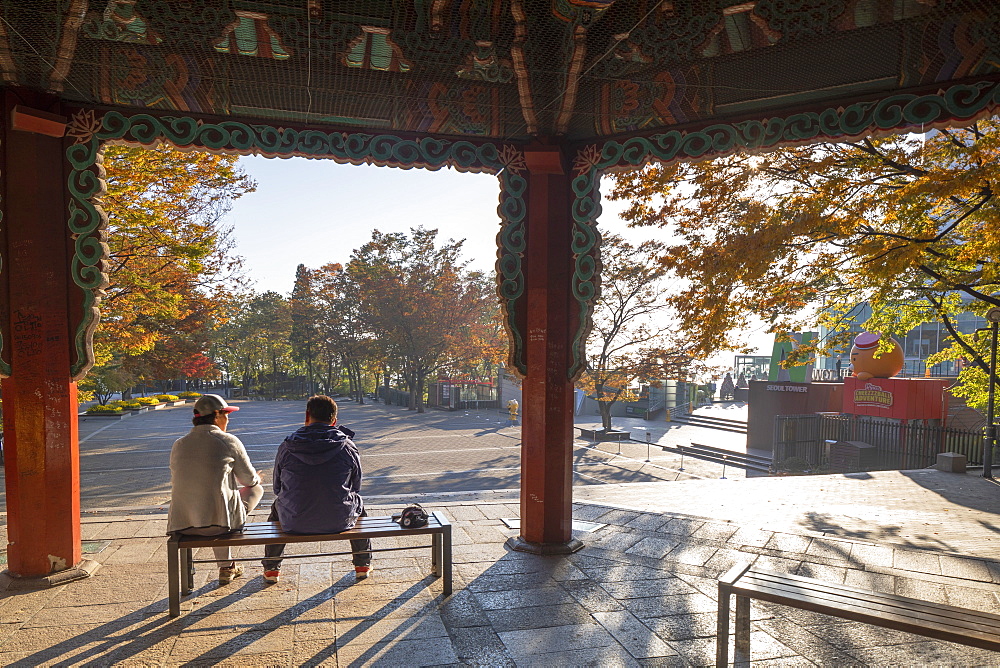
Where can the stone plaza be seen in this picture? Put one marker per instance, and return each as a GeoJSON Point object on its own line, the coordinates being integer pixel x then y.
{"type": "Point", "coordinates": [642, 591]}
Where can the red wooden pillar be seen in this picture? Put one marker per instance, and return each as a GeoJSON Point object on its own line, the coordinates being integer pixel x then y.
{"type": "Point", "coordinates": [547, 413]}
{"type": "Point", "coordinates": [39, 398]}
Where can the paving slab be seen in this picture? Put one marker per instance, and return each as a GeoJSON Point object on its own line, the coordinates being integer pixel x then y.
{"type": "Point", "coordinates": [633, 635]}
{"type": "Point", "coordinates": [641, 592]}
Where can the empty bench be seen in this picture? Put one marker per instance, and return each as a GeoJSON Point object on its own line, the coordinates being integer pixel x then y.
{"type": "Point", "coordinates": [180, 571]}
{"type": "Point", "coordinates": [933, 620]}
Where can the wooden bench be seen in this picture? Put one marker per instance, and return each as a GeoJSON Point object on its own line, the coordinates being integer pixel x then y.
{"type": "Point", "coordinates": [933, 620]}
{"type": "Point", "coordinates": [180, 572]}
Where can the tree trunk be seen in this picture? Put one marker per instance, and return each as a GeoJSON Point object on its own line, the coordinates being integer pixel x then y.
{"type": "Point", "coordinates": [361, 387]}
{"type": "Point", "coordinates": [274, 376]}
{"type": "Point", "coordinates": [419, 391]}
{"type": "Point", "coordinates": [411, 384]}
{"type": "Point", "coordinates": [605, 409]}
{"type": "Point", "coordinates": [309, 372]}
{"type": "Point", "coordinates": [500, 368]}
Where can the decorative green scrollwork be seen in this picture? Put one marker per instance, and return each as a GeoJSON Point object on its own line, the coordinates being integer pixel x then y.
{"type": "Point", "coordinates": [896, 113]}
{"type": "Point", "coordinates": [586, 273]}
{"type": "Point", "coordinates": [87, 221]}
{"type": "Point", "coordinates": [510, 273]}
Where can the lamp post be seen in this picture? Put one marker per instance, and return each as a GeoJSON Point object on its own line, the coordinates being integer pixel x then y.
{"type": "Point", "coordinates": [993, 316]}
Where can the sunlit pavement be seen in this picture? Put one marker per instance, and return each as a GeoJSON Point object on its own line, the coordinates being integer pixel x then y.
{"type": "Point", "coordinates": [641, 592]}
{"type": "Point", "coordinates": [125, 463]}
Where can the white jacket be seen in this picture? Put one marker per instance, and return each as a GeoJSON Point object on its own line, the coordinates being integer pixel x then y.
{"type": "Point", "coordinates": [207, 469]}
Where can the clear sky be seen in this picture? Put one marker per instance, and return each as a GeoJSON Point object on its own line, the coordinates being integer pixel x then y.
{"type": "Point", "coordinates": [316, 211]}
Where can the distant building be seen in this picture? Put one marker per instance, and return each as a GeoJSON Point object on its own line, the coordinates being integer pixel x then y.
{"type": "Point", "coordinates": [919, 343]}
{"type": "Point", "coordinates": [751, 367]}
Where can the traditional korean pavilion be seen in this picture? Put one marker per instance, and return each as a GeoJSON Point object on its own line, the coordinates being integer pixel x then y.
{"type": "Point", "coordinates": [546, 94]}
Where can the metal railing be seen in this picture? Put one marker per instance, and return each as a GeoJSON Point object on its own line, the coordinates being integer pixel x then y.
{"type": "Point", "coordinates": [899, 446]}
{"type": "Point", "coordinates": [679, 409]}
{"type": "Point", "coordinates": [655, 407]}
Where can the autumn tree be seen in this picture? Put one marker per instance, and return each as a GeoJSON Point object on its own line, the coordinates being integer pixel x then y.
{"type": "Point", "coordinates": [905, 223]}
{"type": "Point", "coordinates": [419, 299]}
{"type": "Point", "coordinates": [484, 346]}
{"type": "Point", "coordinates": [489, 338]}
{"type": "Point", "coordinates": [630, 339]}
{"type": "Point", "coordinates": [171, 256]}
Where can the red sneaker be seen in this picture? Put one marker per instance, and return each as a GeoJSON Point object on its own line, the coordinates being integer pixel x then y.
{"type": "Point", "coordinates": [272, 577]}
{"type": "Point", "coordinates": [362, 572]}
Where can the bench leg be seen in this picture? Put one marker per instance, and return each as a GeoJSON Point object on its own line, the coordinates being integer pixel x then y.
{"type": "Point", "coordinates": [446, 559]}
{"type": "Point", "coordinates": [187, 571]}
{"type": "Point", "coordinates": [173, 578]}
{"type": "Point", "coordinates": [722, 629]}
{"type": "Point", "coordinates": [436, 551]}
{"type": "Point", "coordinates": [741, 655]}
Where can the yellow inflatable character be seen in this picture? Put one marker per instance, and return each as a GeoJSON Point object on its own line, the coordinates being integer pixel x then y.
{"type": "Point", "coordinates": [512, 409]}
{"type": "Point", "coordinates": [867, 365]}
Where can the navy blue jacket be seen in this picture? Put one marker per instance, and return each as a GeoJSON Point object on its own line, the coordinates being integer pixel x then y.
{"type": "Point", "coordinates": [317, 480]}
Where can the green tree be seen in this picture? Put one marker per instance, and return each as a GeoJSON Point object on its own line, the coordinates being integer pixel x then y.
{"type": "Point", "coordinates": [905, 223]}
{"type": "Point", "coordinates": [347, 337]}
{"type": "Point", "coordinates": [105, 381]}
{"type": "Point", "coordinates": [254, 342]}
{"type": "Point", "coordinates": [728, 390]}
{"type": "Point", "coordinates": [305, 314]}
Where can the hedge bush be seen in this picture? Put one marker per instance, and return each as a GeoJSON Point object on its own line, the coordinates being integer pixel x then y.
{"type": "Point", "coordinates": [97, 409]}
{"type": "Point", "coordinates": [188, 394]}
{"type": "Point", "coordinates": [168, 397]}
{"type": "Point", "coordinates": [147, 401]}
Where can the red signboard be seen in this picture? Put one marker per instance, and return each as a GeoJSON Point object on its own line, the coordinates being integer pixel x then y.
{"type": "Point", "coordinates": [897, 398]}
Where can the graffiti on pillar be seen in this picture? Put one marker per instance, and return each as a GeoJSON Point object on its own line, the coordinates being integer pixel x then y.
{"type": "Point", "coordinates": [87, 221]}
{"type": "Point", "coordinates": [896, 113]}
{"type": "Point", "coordinates": [27, 333]}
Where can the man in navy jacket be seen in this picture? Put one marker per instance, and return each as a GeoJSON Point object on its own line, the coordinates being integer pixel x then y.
{"type": "Point", "coordinates": [317, 482]}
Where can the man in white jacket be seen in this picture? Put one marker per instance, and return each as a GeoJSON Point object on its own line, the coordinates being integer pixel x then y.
{"type": "Point", "coordinates": [213, 484]}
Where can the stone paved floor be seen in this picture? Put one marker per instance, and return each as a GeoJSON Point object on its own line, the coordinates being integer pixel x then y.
{"type": "Point", "coordinates": [642, 591]}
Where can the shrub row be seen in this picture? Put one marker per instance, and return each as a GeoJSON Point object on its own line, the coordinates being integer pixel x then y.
{"type": "Point", "coordinates": [97, 409]}
{"type": "Point", "coordinates": [116, 407]}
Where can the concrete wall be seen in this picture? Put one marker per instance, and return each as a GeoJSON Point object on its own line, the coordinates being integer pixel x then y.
{"type": "Point", "coordinates": [770, 398]}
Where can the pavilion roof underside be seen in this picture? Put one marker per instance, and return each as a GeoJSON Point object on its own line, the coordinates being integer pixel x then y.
{"type": "Point", "coordinates": [503, 70]}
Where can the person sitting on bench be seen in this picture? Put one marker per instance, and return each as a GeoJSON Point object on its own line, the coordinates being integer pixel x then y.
{"type": "Point", "coordinates": [213, 485]}
{"type": "Point", "coordinates": [317, 484]}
